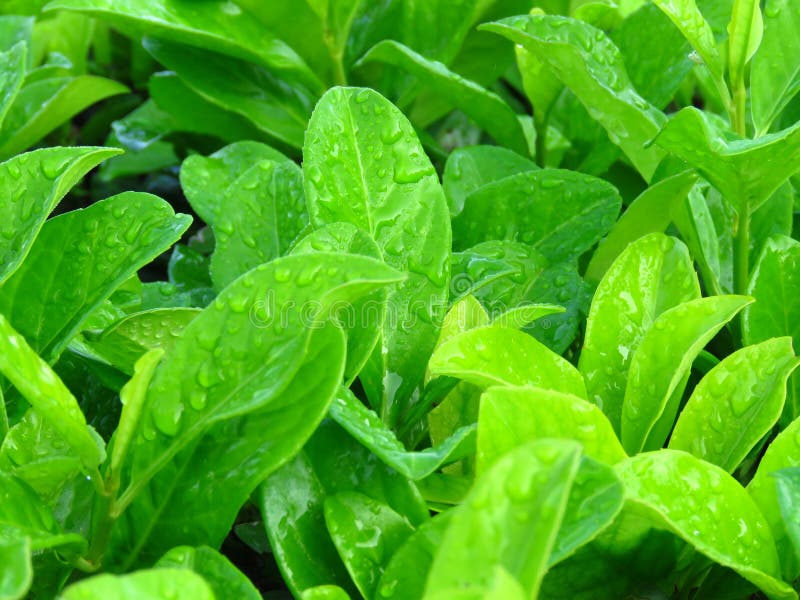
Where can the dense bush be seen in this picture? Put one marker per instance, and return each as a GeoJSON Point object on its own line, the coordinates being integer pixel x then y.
{"type": "Point", "coordinates": [399, 299]}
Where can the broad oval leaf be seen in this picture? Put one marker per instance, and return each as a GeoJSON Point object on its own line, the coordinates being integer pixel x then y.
{"type": "Point", "coordinates": [512, 416]}
{"type": "Point", "coordinates": [708, 509]}
{"type": "Point", "coordinates": [15, 555]}
{"type": "Point", "coordinates": [560, 213]}
{"type": "Point", "coordinates": [651, 275]}
{"type": "Point", "coordinates": [32, 185]}
{"type": "Point", "coordinates": [661, 363]}
{"type": "Point", "coordinates": [84, 255]}
{"type": "Point", "coordinates": [736, 404]}
{"type": "Point", "coordinates": [487, 356]}
{"type": "Point", "coordinates": [364, 165]}
{"type": "Point", "coordinates": [589, 64]}
{"type": "Point", "coordinates": [224, 579]}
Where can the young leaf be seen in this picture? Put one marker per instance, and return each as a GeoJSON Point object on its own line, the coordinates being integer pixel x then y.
{"type": "Point", "coordinates": [365, 426]}
{"type": "Point", "coordinates": [363, 165]}
{"type": "Point", "coordinates": [736, 404]}
{"type": "Point", "coordinates": [15, 555]}
{"type": "Point", "coordinates": [488, 110]}
{"type": "Point", "coordinates": [512, 416]}
{"type": "Point", "coordinates": [775, 76]}
{"type": "Point", "coordinates": [325, 592]}
{"type": "Point", "coordinates": [179, 584]}
{"type": "Point", "coordinates": [650, 212]}
{"type": "Point", "coordinates": [510, 520]}
{"type": "Point", "coordinates": [84, 255]}
{"type": "Point", "coordinates": [12, 74]}
{"type": "Point", "coordinates": [291, 502]}
{"type": "Point", "coordinates": [651, 276]}
{"type": "Point", "coordinates": [709, 510]}
{"type": "Point", "coordinates": [782, 453]}
{"type": "Point", "coordinates": [774, 284]}
{"type": "Point", "coordinates": [491, 355]}
{"type": "Point", "coordinates": [560, 213]}
{"type": "Point", "coordinates": [212, 26]}
{"type": "Point", "coordinates": [224, 579]}
{"type": "Point", "coordinates": [469, 169]}
{"type": "Point", "coordinates": [661, 363]}
{"type": "Point", "coordinates": [744, 30]}
{"type": "Point", "coordinates": [34, 379]}
{"type": "Point", "coordinates": [32, 184]}
{"type": "Point", "coordinates": [746, 172]}
{"type": "Point", "coordinates": [589, 64]}
{"type": "Point", "coordinates": [239, 87]}
{"type": "Point", "coordinates": [352, 520]}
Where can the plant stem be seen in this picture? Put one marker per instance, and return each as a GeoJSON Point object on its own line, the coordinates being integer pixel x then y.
{"type": "Point", "coordinates": [541, 141]}
{"type": "Point", "coordinates": [738, 108]}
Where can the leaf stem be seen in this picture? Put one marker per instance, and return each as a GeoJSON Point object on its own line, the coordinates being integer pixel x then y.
{"type": "Point", "coordinates": [737, 109]}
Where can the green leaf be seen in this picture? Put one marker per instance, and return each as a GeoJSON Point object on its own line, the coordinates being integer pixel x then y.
{"type": "Point", "coordinates": [12, 74]}
{"type": "Point", "coordinates": [486, 109]}
{"type": "Point", "coordinates": [291, 503]}
{"type": "Point", "coordinates": [239, 87]}
{"type": "Point", "coordinates": [661, 364]}
{"type": "Point", "coordinates": [257, 367]}
{"type": "Point", "coordinates": [650, 212]}
{"type": "Point", "coordinates": [746, 172]}
{"type": "Point", "coordinates": [32, 185]}
{"type": "Point", "coordinates": [258, 213]}
{"type": "Point", "coordinates": [42, 106]}
{"type": "Point", "coordinates": [224, 579]}
{"type": "Point", "coordinates": [325, 592]}
{"type": "Point", "coordinates": [510, 520]}
{"type": "Point", "coordinates": [775, 76]}
{"type": "Point", "coordinates": [745, 30]}
{"type": "Point", "coordinates": [365, 426]}
{"type": "Point", "coordinates": [34, 451]}
{"type": "Point", "coordinates": [512, 416]}
{"type": "Point", "coordinates": [469, 169]}
{"type": "Point", "coordinates": [23, 515]}
{"type": "Point", "coordinates": [774, 283]}
{"type": "Point", "coordinates": [708, 509]}
{"type": "Point", "coordinates": [48, 395]}
{"type": "Point", "coordinates": [488, 356]}
{"type": "Point", "coordinates": [179, 584]}
{"type": "Point", "coordinates": [363, 165]}
{"type": "Point", "coordinates": [690, 21]}
{"type": "Point", "coordinates": [84, 255]}
{"type": "Point", "coordinates": [736, 404]}
{"type": "Point", "coordinates": [654, 274]}
{"type": "Point", "coordinates": [364, 317]}
{"type": "Point", "coordinates": [128, 339]}
{"type": "Point", "coordinates": [589, 64]}
{"type": "Point", "coordinates": [782, 453]}
{"type": "Point", "coordinates": [219, 27]}
{"type": "Point", "coordinates": [17, 576]}
{"type": "Point", "coordinates": [353, 520]}
{"type": "Point", "coordinates": [788, 484]}
{"type": "Point", "coordinates": [560, 213]}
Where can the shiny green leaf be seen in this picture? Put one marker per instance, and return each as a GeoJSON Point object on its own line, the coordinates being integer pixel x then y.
{"type": "Point", "coordinates": [745, 30]}
{"type": "Point", "coordinates": [17, 575]}
{"type": "Point", "coordinates": [32, 185]}
{"type": "Point", "coordinates": [708, 509]}
{"type": "Point", "coordinates": [224, 579]}
{"type": "Point", "coordinates": [179, 584]}
{"type": "Point", "coordinates": [589, 64]}
{"type": "Point", "coordinates": [363, 165]}
{"type": "Point", "coordinates": [79, 259]}
{"type": "Point", "coordinates": [560, 213]}
{"type": "Point", "coordinates": [651, 275]}
{"type": "Point", "coordinates": [788, 483]}
{"type": "Point", "coordinates": [12, 74]}
{"type": "Point", "coordinates": [353, 520]}
{"type": "Point", "coordinates": [488, 356]}
{"type": "Point", "coordinates": [661, 363]}
{"type": "Point", "coordinates": [736, 404]}
{"type": "Point", "coordinates": [512, 416]}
